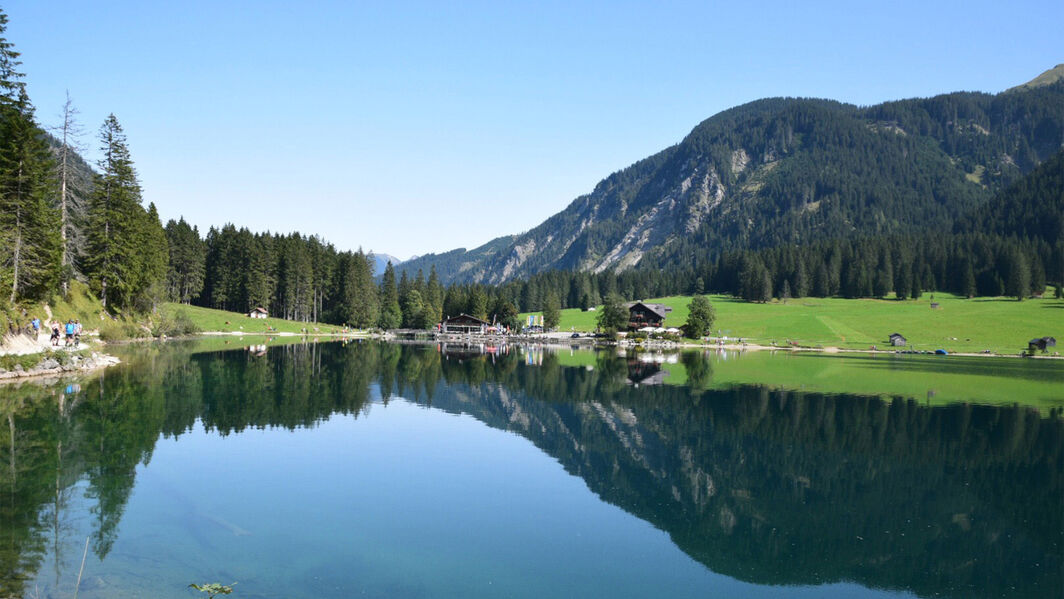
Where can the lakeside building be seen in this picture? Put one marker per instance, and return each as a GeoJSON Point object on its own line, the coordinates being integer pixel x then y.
{"type": "Point", "coordinates": [258, 312]}
{"type": "Point", "coordinates": [1041, 344]}
{"type": "Point", "coordinates": [642, 315]}
{"type": "Point", "coordinates": [464, 324]}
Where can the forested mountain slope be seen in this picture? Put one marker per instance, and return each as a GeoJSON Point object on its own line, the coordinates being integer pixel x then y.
{"type": "Point", "coordinates": [784, 171]}
{"type": "Point", "coordinates": [1032, 207]}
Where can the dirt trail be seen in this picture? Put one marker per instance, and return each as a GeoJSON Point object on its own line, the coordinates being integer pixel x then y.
{"type": "Point", "coordinates": [22, 345]}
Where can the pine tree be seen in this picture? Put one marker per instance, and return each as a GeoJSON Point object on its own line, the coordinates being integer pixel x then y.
{"type": "Point", "coordinates": [434, 297]}
{"type": "Point", "coordinates": [261, 273]}
{"type": "Point", "coordinates": [613, 317]}
{"type": "Point", "coordinates": [391, 315]}
{"type": "Point", "coordinates": [152, 259]}
{"type": "Point", "coordinates": [478, 303]}
{"type": "Point", "coordinates": [187, 265]}
{"type": "Point", "coordinates": [903, 281]}
{"type": "Point", "coordinates": [1018, 284]}
{"type": "Point", "coordinates": [884, 277]}
{"type": "Point", "coordinates": [801, 280]}
{"type": "Point", "coordinates": [29, 229]}
{"type": "Point", "coordinates": [323, 263]}
{"type": "Point", "coordinates": [11, 84]}
{"type": "Point", "coordinates": [413, 309]}
{"type": "Point", "coordinates": [552, 311]}
{"type": "Point", "coordinates": [822, 284]}
{"type": "Point", "coordinates": [505, 313]}
{"type": "Point", "coordinates": [112, 251]}
{"type": "Point", "coordinates": [361, 296]}
{"type": "Point", "coordinates": [1038, 276]}
{"type": "Point", "coordinates": [296, 279]}
{"type": "Point", "coordinates": [968, 280]}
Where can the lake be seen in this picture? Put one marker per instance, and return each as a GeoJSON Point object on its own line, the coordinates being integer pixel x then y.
{"type": "Point", "coordinates": [385, 470]}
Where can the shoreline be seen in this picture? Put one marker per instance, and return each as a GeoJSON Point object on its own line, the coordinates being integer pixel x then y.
{"type": "Point", "coordinates": [44, 368]}
{"type": "Point", "coordinates": [99, 360]}
{"type": "Point", "coordinates": [54, 361]}
{"type": "Point", "coordinates": [565, 340]}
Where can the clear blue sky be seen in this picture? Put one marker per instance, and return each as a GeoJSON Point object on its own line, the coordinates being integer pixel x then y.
{"type": "Point", "coordinates": [409, 128]}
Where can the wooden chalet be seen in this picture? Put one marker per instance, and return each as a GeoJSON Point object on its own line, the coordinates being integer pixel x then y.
{"type": "Point", "coordinates": [642, 315]}
{"type": "Point", "coordinates": [464, 324]}
{"type": "Point", "coordinates": [897, 340]}
{"type": "Point", "coordinates": [259, 312]}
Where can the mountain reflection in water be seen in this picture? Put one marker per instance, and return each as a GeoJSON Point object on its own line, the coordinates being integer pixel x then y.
{"type": "Point", "coordinates": [765, 485]}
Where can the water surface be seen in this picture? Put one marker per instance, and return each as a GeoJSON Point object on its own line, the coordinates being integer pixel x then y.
{"type": "Point", "coordinates": [366, 469]}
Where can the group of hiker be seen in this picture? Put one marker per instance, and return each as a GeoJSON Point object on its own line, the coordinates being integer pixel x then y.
{"type": "Point", "coordinates": [72, 330]}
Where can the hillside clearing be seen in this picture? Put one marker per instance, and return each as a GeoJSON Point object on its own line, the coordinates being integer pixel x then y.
{"type": "Point", "coordinates": [210, 320]}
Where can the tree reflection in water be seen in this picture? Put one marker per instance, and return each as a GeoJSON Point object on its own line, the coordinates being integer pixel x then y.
{"type": "Point", "coordinates": [771, 486]}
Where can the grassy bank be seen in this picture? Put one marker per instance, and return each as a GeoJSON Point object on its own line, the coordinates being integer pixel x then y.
{"type": "Point", "coordinates": [79, 304]}
{"type": "Point", "coordinates": [211, 320]}
{"type": "Point", "coordinates": [1001, 325]}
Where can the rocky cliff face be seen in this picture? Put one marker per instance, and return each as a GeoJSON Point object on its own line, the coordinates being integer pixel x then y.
{"type": "Point", "coordinates": [787, 170]}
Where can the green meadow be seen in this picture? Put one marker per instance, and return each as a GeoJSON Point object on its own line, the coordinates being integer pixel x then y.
{"type": "Point", "coordinates": [1001, 325]}
{"type": "Point", "coordinates": [211, 320]}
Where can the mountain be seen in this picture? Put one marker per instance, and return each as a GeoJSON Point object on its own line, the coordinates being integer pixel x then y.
{"type": "Point", "coordinates": [787, 171]}
{"type": "Point", "coordinates": [382, 260]}
{"type": "Point", "coordinates": [460, 264]}
{"type": "Point", "coordinates": [1047, 78]}
{"type": "Point", "coordinates": [1032, 207]}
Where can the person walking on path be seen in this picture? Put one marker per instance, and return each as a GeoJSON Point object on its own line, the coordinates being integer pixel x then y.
{"type": "Point", "coordinates": [55, 333]}
{"type": "Point", "coordinates": [69, 333]}
{"type": "Point", "coordinates": [77, 333]}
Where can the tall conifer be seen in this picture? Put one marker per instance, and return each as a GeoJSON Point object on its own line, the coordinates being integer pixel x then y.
{"type": "Point", "coordinates": [391, 314]}
{"type": "Point", "coordinates": [29, 233]}
{"type": "Point", "coordinates": [29, 228]}
{"type": "Point", "coordinates": [113, 255]}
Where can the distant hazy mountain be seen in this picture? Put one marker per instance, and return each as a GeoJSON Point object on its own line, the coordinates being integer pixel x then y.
{"type": "Point", "coordinates": [381, 260]}
{"type": "Point", "coordinates": [789, 170]}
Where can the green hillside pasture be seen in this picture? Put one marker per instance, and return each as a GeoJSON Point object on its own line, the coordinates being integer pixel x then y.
{"type": "Point", "coordinates": [211, 320]}
{"type": "Point", "coordinates": [1001, 325]}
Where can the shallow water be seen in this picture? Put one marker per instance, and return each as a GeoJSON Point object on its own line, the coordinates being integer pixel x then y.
{"type": "Point", "coordinates": [366, 469]}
